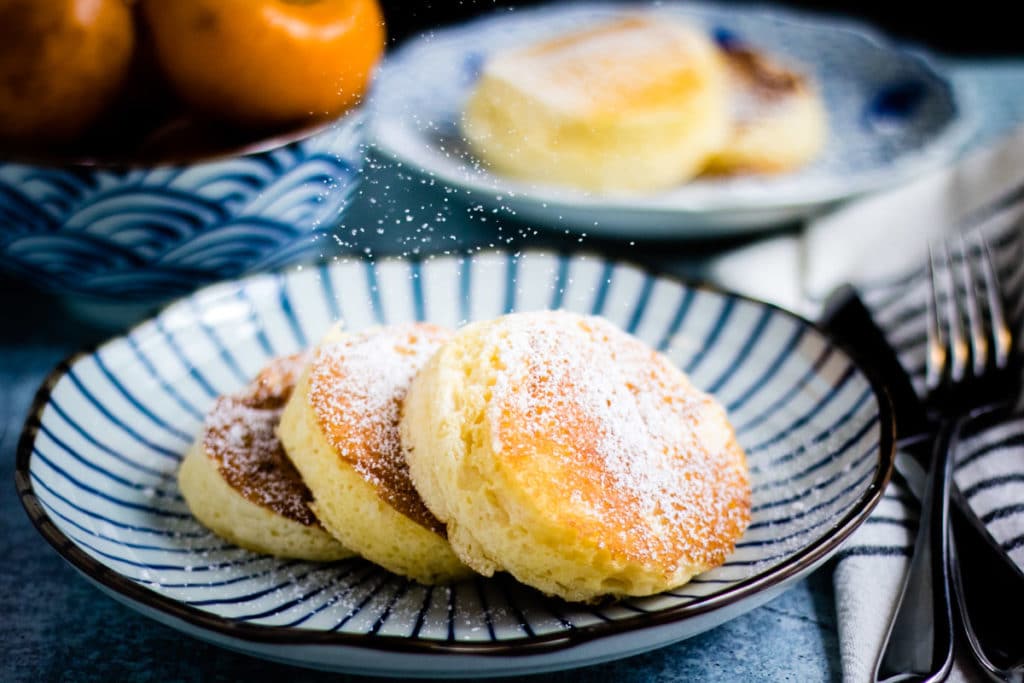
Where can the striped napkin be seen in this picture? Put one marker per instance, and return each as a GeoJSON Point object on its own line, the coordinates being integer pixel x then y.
{"type": "Point", "coordinates": [880, 245]}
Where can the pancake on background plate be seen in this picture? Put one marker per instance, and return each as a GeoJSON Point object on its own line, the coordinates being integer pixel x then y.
{"type": "Point", "coordinates": [778, 118]}
{"type": "Point", "coordinates": [634, 104]}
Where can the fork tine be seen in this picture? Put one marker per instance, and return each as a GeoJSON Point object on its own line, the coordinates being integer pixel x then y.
{"type": "Point", "coordinates": [957, 342]}
{"type": "Point", "coordinates": [976, 332]}
{"type": "Point", "coordinates": [935, 356]}
{"type": "Point", "coordinates": [1002, 338]}
{"type": "Point", "coordinates": [954, 322]}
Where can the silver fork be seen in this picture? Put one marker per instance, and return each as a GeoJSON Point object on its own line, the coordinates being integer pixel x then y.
{"type": "Point", "coordinates": [983, 604]}
{"type": "Point", "coordinates": [970, 369]}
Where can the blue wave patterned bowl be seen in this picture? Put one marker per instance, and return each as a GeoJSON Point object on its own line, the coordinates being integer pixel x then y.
{"type": "Point", "coordinates": [97, 460]}
{"type": "Point", "coordinates": [149, 233]}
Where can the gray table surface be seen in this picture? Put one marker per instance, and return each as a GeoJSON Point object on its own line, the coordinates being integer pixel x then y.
{"type": "Point", "coordinates": [56, 626]}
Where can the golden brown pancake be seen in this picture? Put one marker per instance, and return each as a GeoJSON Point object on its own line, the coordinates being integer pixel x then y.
{"type": "Point", "coordinates": [340, 428]}
{"type": "Point", "coordinates": [238, 481]}
{"type": "Point", "coordinates": [778, 119]}
{"type": "Point", "coordinates": [634, 104]}
{"type": "Point", "coordinates": [558, 448]}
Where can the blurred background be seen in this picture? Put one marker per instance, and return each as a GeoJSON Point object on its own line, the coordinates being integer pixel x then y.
{"type": "Point", "coordinates": [983, 27]}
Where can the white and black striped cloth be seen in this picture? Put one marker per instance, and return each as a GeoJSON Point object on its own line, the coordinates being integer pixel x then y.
{"type": "Point", "coordinates": [880, 245]}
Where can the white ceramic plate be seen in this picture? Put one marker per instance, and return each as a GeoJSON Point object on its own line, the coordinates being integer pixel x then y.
{"type": "Point", "coordinates": [891, 117]}
{"type": "Point", "coordinates": [97, 462]}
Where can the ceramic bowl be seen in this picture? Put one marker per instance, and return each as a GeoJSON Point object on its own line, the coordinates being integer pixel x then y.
{"type": "Point", "coordinates": [144, 234]}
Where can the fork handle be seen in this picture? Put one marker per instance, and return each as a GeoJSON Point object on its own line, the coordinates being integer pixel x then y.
{"type": "Point", "coordinates": [919, 642]}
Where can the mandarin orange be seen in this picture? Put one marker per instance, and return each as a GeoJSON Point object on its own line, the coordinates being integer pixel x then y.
{"type": "Point", "coordinates": [62, 63]}
{"type": "Point", "coordinates": [267, 62]}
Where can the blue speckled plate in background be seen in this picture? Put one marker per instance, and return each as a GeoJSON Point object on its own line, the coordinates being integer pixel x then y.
{"type": "Point", "coordinates": [97, 461]}
{"type": "Point", "coordinates": [892, 117]}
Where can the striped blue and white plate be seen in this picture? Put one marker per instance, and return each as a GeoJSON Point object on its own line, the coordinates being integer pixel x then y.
{"type": "Point", "coordinates": [97, 461]}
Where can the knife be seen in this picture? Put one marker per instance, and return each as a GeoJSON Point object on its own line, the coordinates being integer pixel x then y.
{"type": "Point", "coordinates": [989, 581]}
{"type": "Point", "coordinates": [851, 325]}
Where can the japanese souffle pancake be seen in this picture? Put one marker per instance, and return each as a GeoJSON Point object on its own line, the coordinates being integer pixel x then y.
{"type": "Point", "coordinates": [340, 429]}
{"type": "Point", "coordinates": [778, 119]}
{"type": "Point", "coordinates": [238, 481]}
{"type": "Point", "coordinates": [565, 451]}
{"type": "Point", "coordinates": [638, 103]}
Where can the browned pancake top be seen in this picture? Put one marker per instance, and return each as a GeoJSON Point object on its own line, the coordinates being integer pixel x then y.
{"type": "Point", "coordinates": [356, 387]}
{"type": "Point", "coordinates": [767, 77]}
{"type": "Point", "coordinates": [240, 437]}
{"type": "Point", "coordinates": [607, 438]}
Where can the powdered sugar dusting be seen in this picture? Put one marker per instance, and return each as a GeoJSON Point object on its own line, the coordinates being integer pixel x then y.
{"type": "Point", "coordinates": [240, 436]}
{"type": "Point", "coordinates": [357, 386]}
{"type": "Point", "coordinates": [643, 462]}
